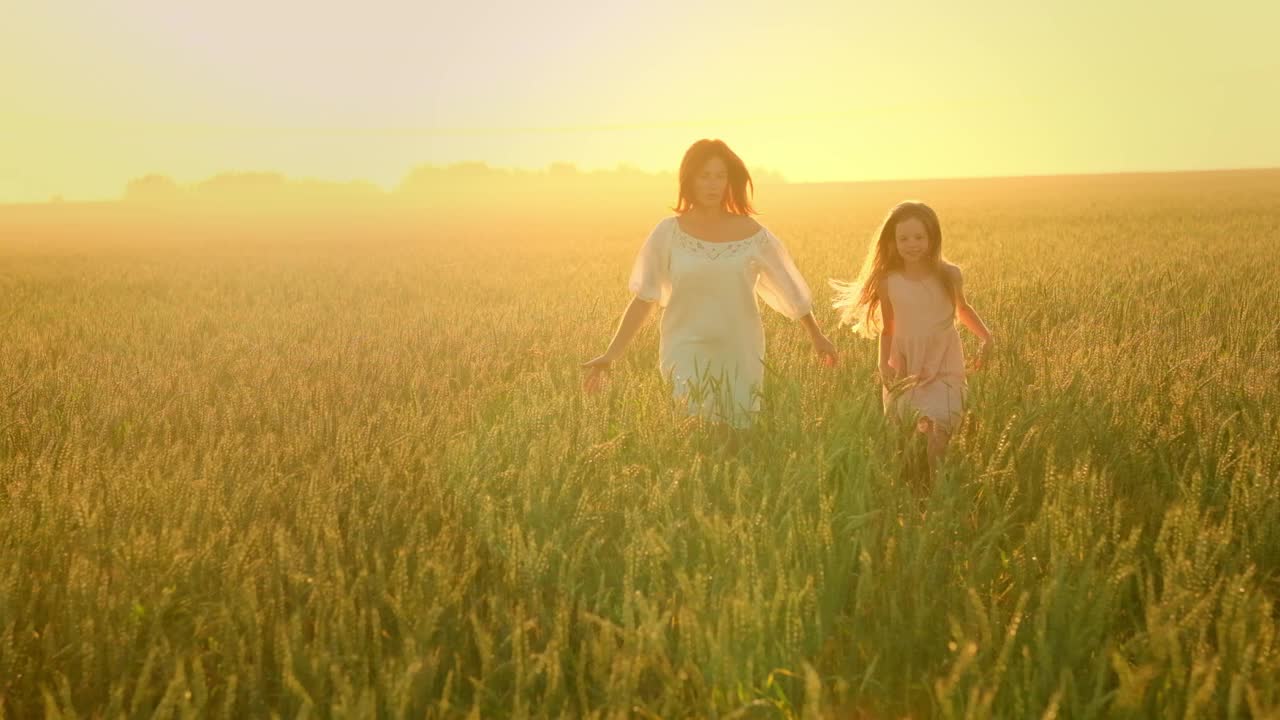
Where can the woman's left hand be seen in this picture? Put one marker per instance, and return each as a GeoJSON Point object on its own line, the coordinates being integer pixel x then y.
{"type": "Point", "coordinates": [596, 369]}
{"type": "Point", "coordinates": [826, 350]}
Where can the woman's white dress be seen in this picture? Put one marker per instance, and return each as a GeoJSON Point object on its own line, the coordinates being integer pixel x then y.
{"type": "Point", "coordinates": [711, 344]}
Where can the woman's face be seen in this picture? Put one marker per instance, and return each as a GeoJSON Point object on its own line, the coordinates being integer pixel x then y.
{"type": "Point", "coordinates": [912, 239]}
{"type": "Point", "coordinates": [710, 184]}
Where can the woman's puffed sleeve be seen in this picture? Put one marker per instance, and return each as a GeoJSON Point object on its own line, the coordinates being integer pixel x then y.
{"type": "Point", "coordinates": [651, 272]}
{"type": "Point", "coordinates": [780, 283]}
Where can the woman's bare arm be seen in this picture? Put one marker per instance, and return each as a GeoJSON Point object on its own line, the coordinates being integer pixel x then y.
{"type": "Point", "coordinates": [821, 343]}
{"type": "Point", "coordinates": [632, 320]}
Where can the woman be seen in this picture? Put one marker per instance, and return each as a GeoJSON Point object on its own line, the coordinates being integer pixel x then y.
{"type": "Point", "coordinates": [704, 266]}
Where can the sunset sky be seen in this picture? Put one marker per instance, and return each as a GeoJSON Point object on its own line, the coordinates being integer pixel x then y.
{"type": "Point", "coordinates": [98, 93]}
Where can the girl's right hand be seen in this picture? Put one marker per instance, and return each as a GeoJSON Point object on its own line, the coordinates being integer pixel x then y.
{"type": "Point", "coordinates": [596, 369]}
{"type": "Point", "coordinates": [887, 374]}
{"type": "Point", "coordinates": [983, 358]}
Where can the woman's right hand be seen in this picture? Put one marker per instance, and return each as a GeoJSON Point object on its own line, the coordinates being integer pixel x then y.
{"type": "Point", "coordinates": [596, 369]}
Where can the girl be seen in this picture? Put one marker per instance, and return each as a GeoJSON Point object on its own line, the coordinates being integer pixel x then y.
{"type": "Point", "coordinates": [705, 266]}
{"type": "Point", "coordinates": [911, 297]}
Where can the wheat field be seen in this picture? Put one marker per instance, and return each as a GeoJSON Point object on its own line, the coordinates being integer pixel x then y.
{"type": "Point", "coordinates": [339, 465]}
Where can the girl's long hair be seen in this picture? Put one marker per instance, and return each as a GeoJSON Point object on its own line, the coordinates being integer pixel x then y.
{"type": "Point", "coordinates": [859, 301]}
{"type": "Point", "coordinates": [738, 198]}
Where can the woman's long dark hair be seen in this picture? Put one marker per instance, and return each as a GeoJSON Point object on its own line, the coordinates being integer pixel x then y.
{"type": "Point", "coordinates": [738, 198]}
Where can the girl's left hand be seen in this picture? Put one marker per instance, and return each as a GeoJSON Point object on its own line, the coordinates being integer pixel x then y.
{"type": "Point", "coordinates": [826, 350]}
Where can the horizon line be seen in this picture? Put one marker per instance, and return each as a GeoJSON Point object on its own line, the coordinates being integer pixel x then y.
{"type": "Point", "coordinates": [57, 199]}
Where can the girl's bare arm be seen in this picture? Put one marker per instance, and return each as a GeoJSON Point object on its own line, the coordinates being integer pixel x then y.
{"type": "Point", "coordinates": [886, 336]}
{"type": "Point", "coordinates": [965, 312]}
{"type": "Point", "coordinates": [970, 318]}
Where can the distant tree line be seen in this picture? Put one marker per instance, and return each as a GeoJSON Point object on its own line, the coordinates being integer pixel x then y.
{"type": "Point", "coordinates": [422, 185]}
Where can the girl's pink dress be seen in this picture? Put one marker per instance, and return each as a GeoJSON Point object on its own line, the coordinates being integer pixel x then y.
{"type": "Point", "coordinates": [925, 345]}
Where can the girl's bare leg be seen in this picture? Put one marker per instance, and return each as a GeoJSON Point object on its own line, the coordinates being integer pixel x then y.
{"type": "Point", "coordinates": [914, 448]}
{"type": "Point", "coordinates": [938, 438]}
{"type": "Point", "coordinates": [730, 439]}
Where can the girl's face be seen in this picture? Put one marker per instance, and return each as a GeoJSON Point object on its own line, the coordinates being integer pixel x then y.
{"type": "Point", "coordinates": [710, 183]}
{"type": "Point", "coordinates": [911, 239]}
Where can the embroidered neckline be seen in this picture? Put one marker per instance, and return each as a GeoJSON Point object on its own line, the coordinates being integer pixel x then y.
{"type": "Point", "coordinates": [714, 250]}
